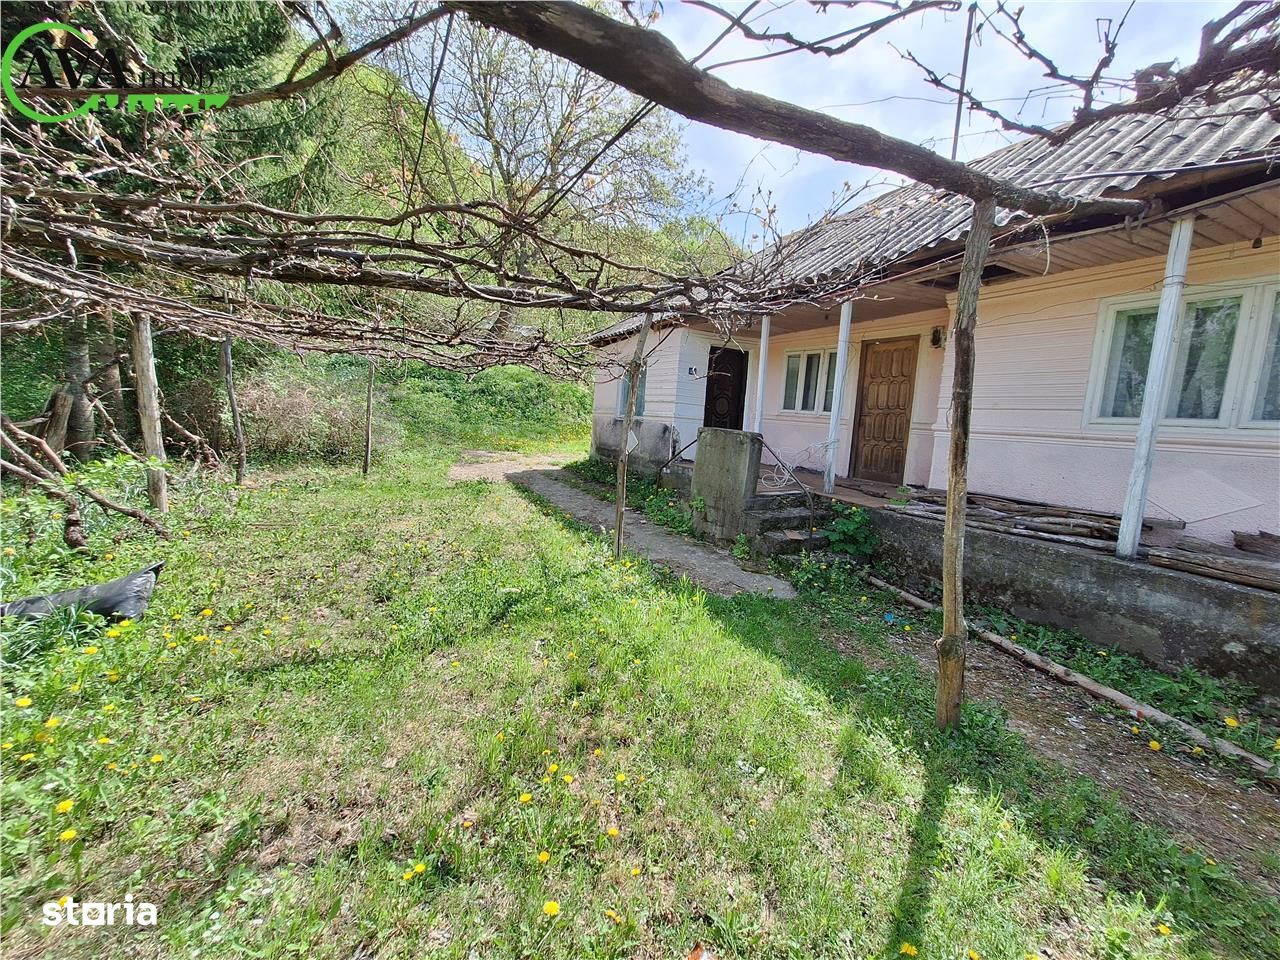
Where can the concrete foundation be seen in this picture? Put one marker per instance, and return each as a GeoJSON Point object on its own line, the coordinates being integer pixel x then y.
{"type": "Point", "coordinates": [656, 442]}
{"type": "Point", "coordinates": [1168, 617]}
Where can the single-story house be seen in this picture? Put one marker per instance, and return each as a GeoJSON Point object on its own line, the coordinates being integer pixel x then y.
{"type": "Point", "coordinates": [1065, 326]}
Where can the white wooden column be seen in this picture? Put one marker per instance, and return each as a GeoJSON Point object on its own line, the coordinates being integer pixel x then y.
{"type": "Point", "coordinates": [837, 398]}
{"type": "Point", "coordinates": [1156, 388]}
{"type": "Point", "coordinates": [762, 371]}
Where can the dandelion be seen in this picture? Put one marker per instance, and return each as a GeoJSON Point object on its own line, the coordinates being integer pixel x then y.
{"type": "Point", "coordinates": [407, 875]}
{"type": "Point", "coordinates": [500, 736]}
{"type": "Point", "coordinates": [10, 552]}
{"type": "Point", "coordinates": [113, 633]}
{"type": "Point", "coordinates": [193, 699]}
{"type": "Point", "coordinates": [65, 806]}
{"type": "Point", "coordinates": [597, 752]}
{"type": "Point", "coordinates": [621, 778]}
{"type": "Point", "coordinates": [201, 637]}
{"type": "Point", "coordinates": [1164, 929]}
{"type": "Point", "coordinates": [552, 768]}
{"type": "Point", "coordinates": [551, 908]}
{"type": "Point", "coordinates": [974, 955]}
{"type": "Point", "coordinates": [170, 645]}
{"type": "Point", "coordinates": [113, 676]}
{"type": "Point", "coordinates": [1231, 722]}
{"type": "Point", "coordinates": [613, 915]}
{"type": "Point", "coordinates": [108, 556]}
{"type": "Point", "coordinates": [109, 708]}
{"type": "Point", "coordinates": [266, 631]}
{"type": "Point", "coordinates": [468, 824]}
{"type": "Point", "coordinates": [546, 753]}
{"type": "Point", "coordinates": [567, 778]}
{"type": "Point", "coordinates": [526, 797]}
{"type": "Point", "coordinates": [419, 868]}
{"type": "Point", "coordinates": [89, 651]}
{"type": "Point", "coordinates": [7, 745]}
{"type": "Point", "coordinates": [908, 949]}
{"type": "Point", "coordinates": [1135, 729]}
{"type": "Point", "coordinates": [22, 702]}
{"type": "Point", "coordinates": [227, 628]}
{"type": "Point", "coordinates": [206, 612]}
{"type": "Point", "coordinates": [613, 832]}
{"type": "Point", "coordinates": [105, 740]}
{"type": "Point", "coordinates": [455, 663]}
{"type": "Point", "coordinates": [156, 758]}
{"type": "Point", "coordinates": [1154, 745]}
{"type": "Point", "coordinates": [546, 780]}
{"type": "Point", "coordinates": [26, 758]}
{"type": "Point", "coordinates": [907, 628]}
{"type": "Point", "coordinates": [66, 836]}
{"type": "Point", "coordinates": [113, 765]}
{"type": "Point", "coordinates": [53, 722]}
{"type": "Point", "coordinates": [635, 871]}
{"type": "Point", "coordinates": [544, 856]}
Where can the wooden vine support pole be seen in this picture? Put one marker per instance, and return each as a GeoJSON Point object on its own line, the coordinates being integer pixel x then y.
{"type": "Point", "coordinates": [633, 369]}
{"type": "Point", "coordinates": [237, 426]}
{"type": "Point", "coordinates": [368, 420]}
{"type": "Point", "coordinates": [951, 646]}
{"type": "Point", "coordinates": [144, 371]}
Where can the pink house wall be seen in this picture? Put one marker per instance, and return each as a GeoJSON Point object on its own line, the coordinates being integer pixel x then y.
{"type": "Point", "coordinates": [1038, 350]}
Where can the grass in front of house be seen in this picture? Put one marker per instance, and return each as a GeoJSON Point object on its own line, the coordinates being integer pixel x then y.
{"type": "Point", "coordinates": [440, 719]}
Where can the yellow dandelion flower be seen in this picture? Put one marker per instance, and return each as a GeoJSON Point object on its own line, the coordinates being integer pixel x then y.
{"type": "Point", "coordinates": [544, 856]}
{"type": "Point", "coordinates": [156, 758]}
{"type": "Point", "coordinates": [227, 628]}
{"type": "Point", "coordinates": [551, 908]}
{"type": "Point", "coordinates": [171, 645]}
{"type": "Point", "coordinates": [113, 633]}
{"type": "Point", "coordinates": [108, 556]}
{"type": "Point", "coordinates": [455, 663]}
{"type": "Point", "coordinates": [613, 915]}
{"type": "Point", "coordinates": [974, 955]}
{"type": "Point", "coordinates": [545, 780]}
{"type": "Point", "coordinates": [113, 676]}
{"type": "Point", "coordinates": [206, 612]}
{"type": "Point", "coordinates": [567, 778]}
{"type": "Point", "coordinates": [419, 868]}
{"type": "Point", "coordinates": [621, 778]}
{"type": "Point", "coordinates": [908, 949]}
{"type": "Point", "coordinates": [500, 736]}
{"type": "Point", "coordinates": [89, 651]}
{"type": "Point", "coordinates": [407, 875]}
{"type": "Point", "coordinates": [1164, 929]}
{"type": "Point", "coordinates": [105, 740]}
{"type": "Point", "coordinates": [1154, 745]}
{"type": "Point", "coordinates": [7, 745]}
{"type": "Point", "coordinates": [113, 765]}
{"type": "Point", "coordinates": [907, 628]}
{"type": "Point", "coordinates": [468, 824]}
{"type": "Point", "coordinates": [26, 757]}
{"type": "Point", "coordinates": [10, 552]}
{"type": "Point", "coordinates": [552, 768]}
{"type": "Point", "coordinates": [635, 871]}
{"type": "Point", "coordinates": [597, 752]}
{"type": "Point", "coordinates": [65, 806]}
{"type": "Point", "coordinates": [526, 797]}
{"type": "Point", "coordinates": [53, 722]}
{"type": "Point", "coordinates": [22, 702]}
{"type": "Point", "coordinates": [66, 836]}
{"type": "Point", "coordinates": [1231, 722]}
{"type": "Point", "coordinates": [109, 708]}
{"type": "Point", "coordinates": [612, 831]}
{"type": "Point", "coordinates": [546, 753]}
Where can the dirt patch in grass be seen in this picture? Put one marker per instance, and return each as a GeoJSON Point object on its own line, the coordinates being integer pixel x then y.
{"type": "Point", "coordinates": [1203, 807]}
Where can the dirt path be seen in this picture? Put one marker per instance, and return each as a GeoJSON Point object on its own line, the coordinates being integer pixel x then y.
{"type": "Point", "coordinates": [1203, 807]}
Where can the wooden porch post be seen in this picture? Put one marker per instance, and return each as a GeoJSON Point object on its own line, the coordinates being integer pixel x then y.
{"type": "Point", "coordinates": [762, 368]}
{"type": "Point", "coordinates": [837, 398]}
{"type": "Point", "coordinates": [1156, 388]}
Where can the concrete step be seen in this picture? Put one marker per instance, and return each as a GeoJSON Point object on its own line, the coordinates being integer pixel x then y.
{"type": "Point", "coordinates": [778, 501]}
{"type": "Point", "coordinates": [776, 543]}
{"type": "Point", "coordinates": [792, 518]}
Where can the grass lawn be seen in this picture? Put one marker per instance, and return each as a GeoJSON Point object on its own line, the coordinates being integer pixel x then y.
{"type": "Point", "coordinates": [404, 718]}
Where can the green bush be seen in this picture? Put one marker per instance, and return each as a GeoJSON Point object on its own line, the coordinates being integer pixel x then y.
{"type": "Point", "coordinates": [851, 532]}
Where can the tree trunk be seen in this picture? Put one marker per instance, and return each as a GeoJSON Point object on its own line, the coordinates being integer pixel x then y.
{"type": "Point", "coordinates": [144, 369]}
{"type": "Point", "coordinates": [81, 429]}
{"type": "Point", "coordinates": [237, 427]}
{"type": "Point", "coordinates": [105, 354]}
{"type": "Point", "coordinates": [628, 418]}
{"type": "Point", "coordinates": [368, 421]}
{"type": "Point", "coordinates": [951, 647]}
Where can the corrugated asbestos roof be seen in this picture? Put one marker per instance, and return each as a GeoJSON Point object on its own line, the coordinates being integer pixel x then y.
{"type": "Point", "coordinates": [914, 218]}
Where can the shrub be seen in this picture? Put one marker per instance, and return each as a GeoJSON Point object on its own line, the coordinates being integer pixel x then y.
{"type": "Point", "coordinates": [851, 532]}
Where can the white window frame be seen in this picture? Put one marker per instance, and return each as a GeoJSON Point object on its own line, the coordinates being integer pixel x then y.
{"type": "Point", "coordinates": [641, 397]}
{"type": "Point", "coordinates": [827, 361]}
{"type": "Point", "coordinates": [1243, 369]}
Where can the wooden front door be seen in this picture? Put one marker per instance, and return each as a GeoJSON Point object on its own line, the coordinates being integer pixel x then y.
{"type": "Point", "coordinates": [886, 383]}
{"type": "Point", "coordinates": [726, 388]}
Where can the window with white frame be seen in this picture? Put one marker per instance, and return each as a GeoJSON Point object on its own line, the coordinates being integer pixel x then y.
{"type": "Point", "coordinates": [1226, 359]}
{"type": "Point", "coordinates": [809, 382]}
{"type": "Point", "coordinates": [624, 390]}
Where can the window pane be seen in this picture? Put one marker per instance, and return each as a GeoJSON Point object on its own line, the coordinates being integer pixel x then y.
{"type": "Point", "coordinates": [1200, 364]}
{"type": "Point", "coordinates": [812, 361]}
{"type": "Point", "coordinates": [792, 381]}
{"type": "Point", "coordinates": [626, 391]}
{"type": "Point", "coordinates": [1127, 362]}
{"type": "Point", "coordinates": [829, 390]}
{"type": "Point", "coordinates": [1266, 404]}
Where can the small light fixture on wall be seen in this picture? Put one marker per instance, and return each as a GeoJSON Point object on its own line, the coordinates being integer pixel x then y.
{"type": "Point", "coordinates": [937, 337]}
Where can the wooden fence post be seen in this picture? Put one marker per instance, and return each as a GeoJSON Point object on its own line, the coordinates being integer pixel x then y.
{"type": "Point", "coordinates": [148, 389]}
{"type": "Point", "coordinates": [951, 646]}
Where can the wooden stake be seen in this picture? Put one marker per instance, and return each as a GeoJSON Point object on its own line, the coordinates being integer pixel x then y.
{"type": "Point", "coordinates": [368, 421]}
{"type": "Point", "coordinates": [237, 427]}
{"type": "Point", "coordinates": [951, 646]}
{"type": "Point", "coordinates": [628, 418]}
{"type": "Point", "coordinates": [144, 371]}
